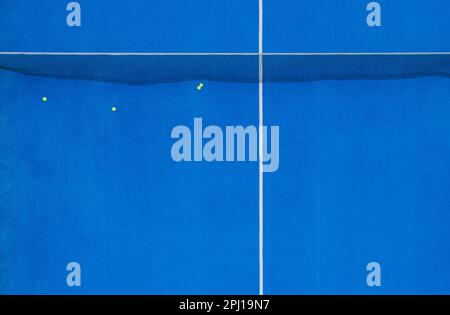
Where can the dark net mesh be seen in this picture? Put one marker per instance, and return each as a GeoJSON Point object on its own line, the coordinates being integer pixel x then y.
{"type": "Point", "coordinates": [150, 69]}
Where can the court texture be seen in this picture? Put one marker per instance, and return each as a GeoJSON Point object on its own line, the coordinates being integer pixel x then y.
{"type": "Point", "coordinates": [225, 147]}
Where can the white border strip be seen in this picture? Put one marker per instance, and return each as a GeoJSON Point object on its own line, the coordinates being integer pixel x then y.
{"type": "Point", "coordinates": [261, 142]}
{"type": "Point", "coordinates": [43, 53]}
{"type": "Point", "coordinates": [357, 53]}
{"type": "Point", "coordinates": [37, 53]}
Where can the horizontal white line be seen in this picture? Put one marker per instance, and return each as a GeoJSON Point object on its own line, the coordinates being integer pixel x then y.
{"type": "Point", "coordinates": [120, 54]}
{"type": "Point", "coordinates": [221, 54]}
{"type": "Point", "coordinates": [358, 53]}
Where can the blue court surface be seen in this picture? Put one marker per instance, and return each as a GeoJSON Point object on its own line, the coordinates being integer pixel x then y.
{"type": "Point", "coordinates": [117, 175]}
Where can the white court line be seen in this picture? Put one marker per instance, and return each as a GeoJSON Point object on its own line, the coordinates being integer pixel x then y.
{"type": "Point", "coordinates": [41, 53]}
{"type": "Point", "coordinates": [358, 53]}
{"type": "Point", "coordinates": [261, 142]}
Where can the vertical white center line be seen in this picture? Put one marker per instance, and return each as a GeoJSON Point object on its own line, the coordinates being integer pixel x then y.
{"type": "Point", "coordinates": [261, 142]}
